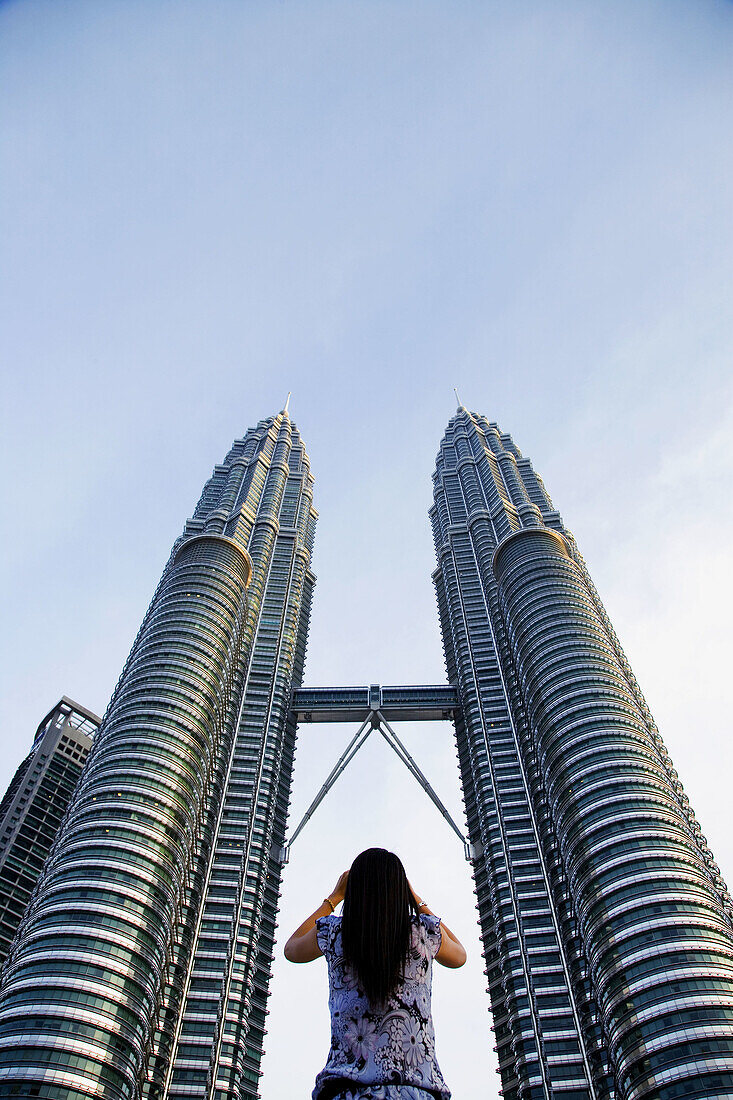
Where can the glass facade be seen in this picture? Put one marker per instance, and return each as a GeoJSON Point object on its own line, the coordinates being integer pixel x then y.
{"type": "Point", "coordinates": [606, 926]}
{"type": "Point", "coordinates": [142, 964]}
{"type": "Point", "coordinates": [34, 805]}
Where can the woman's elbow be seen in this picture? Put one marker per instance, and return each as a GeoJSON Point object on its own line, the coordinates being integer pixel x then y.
{"type": "Point", "coordinates": [288, 951]}
{"type": "Point", "coordinates": [453, 957]}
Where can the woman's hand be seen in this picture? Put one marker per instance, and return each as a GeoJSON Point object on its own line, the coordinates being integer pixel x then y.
{"type": "Point", "coordinates": [302, 947]}
{"type": "Point", "coordinates": [339, 890]}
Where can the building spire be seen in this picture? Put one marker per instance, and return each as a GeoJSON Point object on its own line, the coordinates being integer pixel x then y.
{"type": "Point", "coordinates": [287, 402]}
{"type": "Point", "coordinates": [455, 391]}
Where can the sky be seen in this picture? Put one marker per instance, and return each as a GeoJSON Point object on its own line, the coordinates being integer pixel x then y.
{"type": "Point", "coordinates": [204, 206]}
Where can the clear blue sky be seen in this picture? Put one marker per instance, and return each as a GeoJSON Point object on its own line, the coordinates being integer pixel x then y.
{"type": "Point", "coordinates": [207, 204]}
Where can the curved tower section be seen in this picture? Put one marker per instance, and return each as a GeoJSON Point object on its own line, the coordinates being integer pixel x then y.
{"type": "Point", "coordinates": [163, 870]}
{"type": "Point", "coordinates": [606, 925]}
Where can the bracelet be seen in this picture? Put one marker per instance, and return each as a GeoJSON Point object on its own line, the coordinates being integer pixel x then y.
{"type": "Point", "coordinates": [421, 903]}
{"type": "Point", "coordinates": [329, 902]}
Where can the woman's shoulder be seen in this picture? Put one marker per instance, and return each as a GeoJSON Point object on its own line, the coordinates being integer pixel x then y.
{"type": "Point", "coordinates": [330, 918]}
{"type": "Point", "coordinates": [426, 931]}
{"type": "Point", "coordinates": [427, 921]}
{"type": "Point", "coordinates": [327, 929]}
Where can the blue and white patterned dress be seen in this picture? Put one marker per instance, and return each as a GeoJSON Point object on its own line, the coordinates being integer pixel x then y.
{"type": "Point", "coordinates": [387, 1054]}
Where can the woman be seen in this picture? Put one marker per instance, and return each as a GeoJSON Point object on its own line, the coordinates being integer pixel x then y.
{"type": "Point", "coordinates": [379, 955]}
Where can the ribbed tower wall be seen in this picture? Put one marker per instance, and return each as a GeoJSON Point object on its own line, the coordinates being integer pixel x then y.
{"type": "Point", "coordinates": [169, 861]}
{"type": "Point", "coordinates": [96, 940]}
{"type": "Point", "coordinates": [655, 931]}
{"type": "Point", "coordinates": [214, 1036]}
{"type": "Point", "coordinates": [603, 913]}
{"type": "Point", "coordinates": [545, 1026]}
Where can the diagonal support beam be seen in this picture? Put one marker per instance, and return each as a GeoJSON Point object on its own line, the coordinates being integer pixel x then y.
{"type": "Point", "coordinates": [343, 761]}
{"type": "Point", "coordinates": [375, 720]}
{"type": "Point", "coordinates": [410, 763]}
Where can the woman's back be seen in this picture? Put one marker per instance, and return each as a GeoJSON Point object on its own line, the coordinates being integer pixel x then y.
{"type": "Point", "coordinates": [380, 955]}
{"type": "Point", "coordinates": [392, 1044]}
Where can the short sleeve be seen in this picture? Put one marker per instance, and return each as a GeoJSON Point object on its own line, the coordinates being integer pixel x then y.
{"type": "Point", "coordinates": [433, 934]}
{"type": "Point", "coordinates": [326, 928]}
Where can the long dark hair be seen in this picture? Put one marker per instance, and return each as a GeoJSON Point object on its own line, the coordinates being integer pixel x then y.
{"type": "Point", "coordinates": [376, 922]}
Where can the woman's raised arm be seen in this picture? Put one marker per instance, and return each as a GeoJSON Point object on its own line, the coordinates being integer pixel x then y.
{"type": "Point", "coordinates": [302, 947]}
{"type": "Point", "coordinates": [451, 952]}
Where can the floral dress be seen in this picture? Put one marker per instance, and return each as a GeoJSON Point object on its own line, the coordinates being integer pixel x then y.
{"type": "Point", "coordinates": [389, 1053]}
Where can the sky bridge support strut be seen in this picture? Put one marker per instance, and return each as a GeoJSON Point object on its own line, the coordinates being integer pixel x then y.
{"type": "Point", "coordinates": [374, 720]}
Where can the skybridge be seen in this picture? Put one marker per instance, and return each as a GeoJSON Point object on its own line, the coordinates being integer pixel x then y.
{"type": "Point", "coordinates": [375, 708]}
{"type": "Point", "coordinates": [434, 703]}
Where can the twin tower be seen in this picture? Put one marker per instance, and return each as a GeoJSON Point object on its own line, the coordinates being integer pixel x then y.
{"type": "Point", "coordinates": [141, 966]}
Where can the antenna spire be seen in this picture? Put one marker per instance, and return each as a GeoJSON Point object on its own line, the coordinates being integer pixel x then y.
{"type": "Point", "coordinates": [287, 402]}
{"type": "Point", "coordinates": [455, 391]}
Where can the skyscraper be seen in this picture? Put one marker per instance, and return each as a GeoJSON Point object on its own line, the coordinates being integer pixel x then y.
{"type": "Point", "coordinates": [34, 804]}
{"type": "Point", "coordinates": [606, 925]}
{"type": "Point", "coordinates": [142, 962]}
